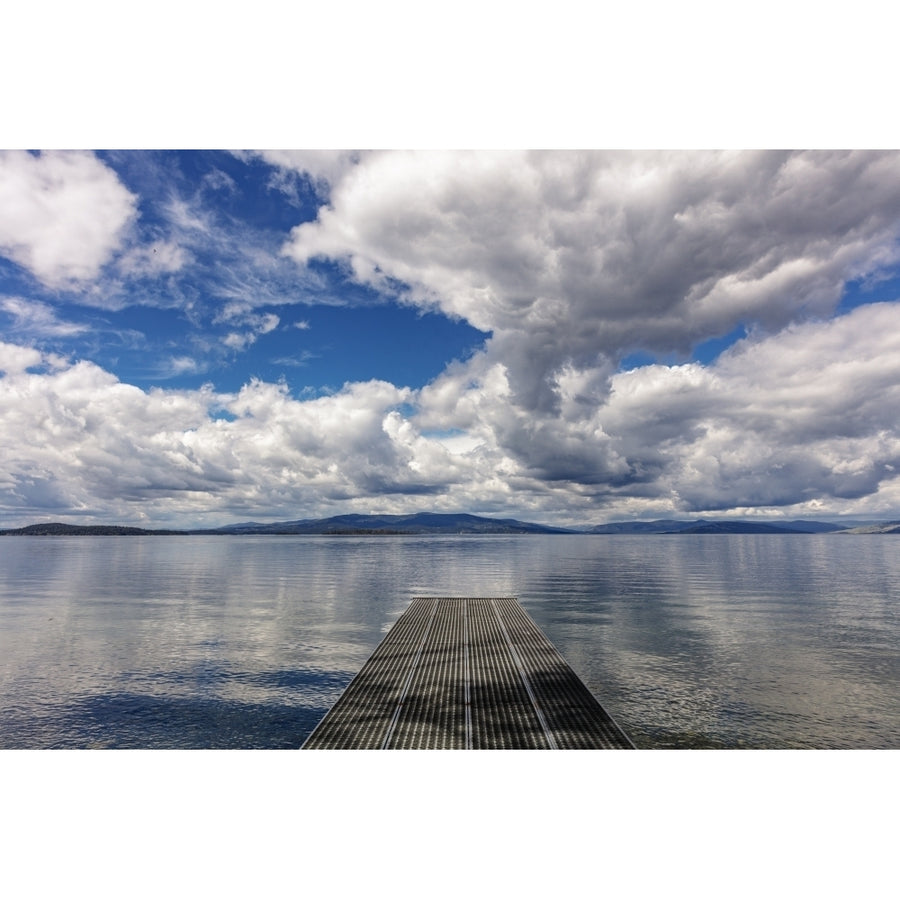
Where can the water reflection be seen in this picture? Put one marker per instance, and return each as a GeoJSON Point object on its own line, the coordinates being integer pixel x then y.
{"type": "Point", "coordinates": [712, 641]}
{"type": "Point", "coordinates": [717, 640]}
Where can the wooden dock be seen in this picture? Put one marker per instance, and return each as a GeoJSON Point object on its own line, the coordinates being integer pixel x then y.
{"type": "Point", "coordinates": [473, 673]}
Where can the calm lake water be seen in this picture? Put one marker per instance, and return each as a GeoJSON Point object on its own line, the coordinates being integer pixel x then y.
{"type": "Point", "coordinates": [745, 641]}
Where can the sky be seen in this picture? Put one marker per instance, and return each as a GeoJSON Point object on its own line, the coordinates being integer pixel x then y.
{"type": "Point", "coordinates": [596, 336]}
{"type": "Point", "coordinates": [194, 338]}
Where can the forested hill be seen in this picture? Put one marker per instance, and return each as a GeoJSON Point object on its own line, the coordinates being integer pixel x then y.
{"type": "Point", "coordinates": [60, 528]}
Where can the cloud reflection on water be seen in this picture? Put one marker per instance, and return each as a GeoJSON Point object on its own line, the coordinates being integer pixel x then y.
{"type": "Point", "coordinates": [723, 640]}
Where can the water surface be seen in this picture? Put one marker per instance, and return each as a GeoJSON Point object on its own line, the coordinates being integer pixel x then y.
{"type": "Point", "coordinates": [769, 641]}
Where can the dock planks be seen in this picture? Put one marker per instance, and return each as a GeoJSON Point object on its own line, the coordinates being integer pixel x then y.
{"type": "Point", "coordinates": [472, 673]}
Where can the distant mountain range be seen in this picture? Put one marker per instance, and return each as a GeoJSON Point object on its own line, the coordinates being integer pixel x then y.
{"type": "Point", "coordinates": [876, 528]}
{"type": "Point", "coordinates": [715, 526]}
{"type": "Point", "coordinates": [417, 523]}
{"type": "Point", "coordinates": [451, 523]}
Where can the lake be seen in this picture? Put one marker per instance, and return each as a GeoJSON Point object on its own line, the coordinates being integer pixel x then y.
{"type": "Point", "coordinates": [689, 641]}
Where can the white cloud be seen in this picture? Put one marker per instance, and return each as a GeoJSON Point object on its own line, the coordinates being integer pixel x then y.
{"type": "Point", "coordinates": [803, 419]}
{"type": "Point", "coordinates": [295, 361]}
{"type": "Point", "coordinates": [325, 167]}
{"type": "Point", "coordinates": [805, 416]}
{"type": "Point", "coordinates": [217, 180]}
{"type": "Point", "coordinates": [571, 260]}
{"type": "Point", "coordinates": [38, 319]}
{"type": "Point", "coordinates": [258, 324]}
{"type": "Point", "coordinates": [62, 214]}
{"type": "Point", "coordinates": [158, 258]}
{"type": "Point", "coordinates": [573, 257]}
{"type": "Point", "coordinates": [238, 341]}
{"type": "Point", "coordinates": [188, 219]}
{"type": "Point", "coordinates": [15, 359]}
{"type": "Point", "coordinates": [796, 423]}
{"type": "Point", "coordinates": [181, 365]}
{"type": "Point", "coordinates": [78, 439]}
{"type": "Point", "coordinates": [198, 256]}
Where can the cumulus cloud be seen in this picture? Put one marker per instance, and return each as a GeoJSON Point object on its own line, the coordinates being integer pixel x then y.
{"type": "Point", "coordinates": [255, 324]}
{"type": "Point", "coordinates": [78, 439]}
{"type": "Point", "coordinates": [15, 359]}
{"type": "Point", "coordinates": [571, 261]}
{"type": "Point", "coordinates": [806, 415]}
{"type": "Point", "coordinates": [570, 258]}
{"type": "Point", "coordinates": [62, 214]}
{"type": "Point", "coordinates": [796, 423]}
{"type": "Point", "coordinates": [802, 420]}
{"type": "Point", "coordinates": [180, 365]}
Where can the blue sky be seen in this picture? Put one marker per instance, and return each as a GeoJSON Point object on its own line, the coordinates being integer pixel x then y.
{"type": "Point", "coordinates": [197, 337]}
{"type": "Point", "coordinates": [175, 328]}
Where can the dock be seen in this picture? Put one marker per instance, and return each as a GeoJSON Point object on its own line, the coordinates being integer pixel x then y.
{"type": "Point", "coordinates": [466, 673]}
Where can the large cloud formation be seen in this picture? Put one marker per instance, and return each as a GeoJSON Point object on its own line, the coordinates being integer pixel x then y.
{"type": "Point", "coordinates": [803, 421]}
{"type": "Point", "coordinates": [572, 261]}
{"type": "Point", "coordinates": [64, 214]}
{"type": "Point", "coordinates": [572, 258]}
